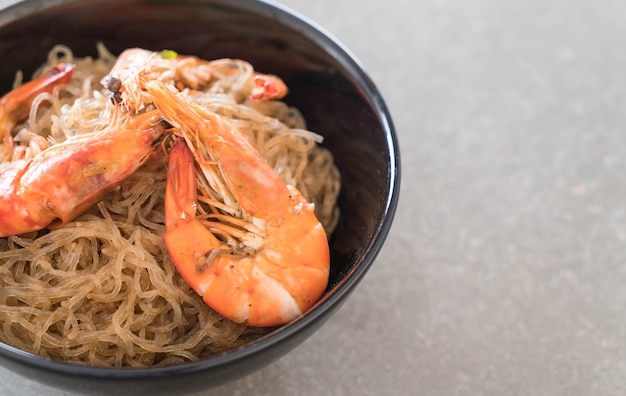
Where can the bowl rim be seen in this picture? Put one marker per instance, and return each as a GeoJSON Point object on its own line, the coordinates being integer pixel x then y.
{"type": "Point", "coordinates": [335, 297]}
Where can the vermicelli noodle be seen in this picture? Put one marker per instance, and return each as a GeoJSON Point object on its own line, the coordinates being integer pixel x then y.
{"type": "Point", "coordinates": [102, 290]}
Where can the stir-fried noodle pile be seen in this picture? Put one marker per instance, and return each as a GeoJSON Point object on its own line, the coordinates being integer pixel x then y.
{"type": "Point", "coordinates": [101, 290]}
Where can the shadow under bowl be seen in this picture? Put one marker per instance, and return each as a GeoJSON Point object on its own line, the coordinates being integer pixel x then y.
{"type": "Point", "coordinates": [326, 83]}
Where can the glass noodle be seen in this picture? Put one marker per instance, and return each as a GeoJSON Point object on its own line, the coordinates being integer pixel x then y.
{"type": "Point", "coordinates": [101, 290]}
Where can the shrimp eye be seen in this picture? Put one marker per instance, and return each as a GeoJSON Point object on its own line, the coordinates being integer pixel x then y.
{"type": "Point", "coordinates": [113, 83]}
{"type": "Point", "coordinates": [116, 98]}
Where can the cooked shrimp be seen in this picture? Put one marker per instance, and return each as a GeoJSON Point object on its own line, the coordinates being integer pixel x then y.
{"type": "Point", "coordinates": [280, 268]}
{"type": "Point", "coordinates": [15, 106]}
{"type": "Point", "coordinates": [62, 181]}
{"type": "Point", "coordinates": [135, 66]}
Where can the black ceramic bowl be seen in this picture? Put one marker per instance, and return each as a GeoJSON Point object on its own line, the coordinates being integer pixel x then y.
{"type": "Point", "coordinates": [326, 83]}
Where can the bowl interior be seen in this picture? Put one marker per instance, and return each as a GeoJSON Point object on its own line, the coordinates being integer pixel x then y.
{"type": "Point", "coordinates": [336, 98]}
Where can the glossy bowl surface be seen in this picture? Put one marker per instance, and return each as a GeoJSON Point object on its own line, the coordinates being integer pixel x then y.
{"type": "Point", "coordinates": [326, 83]}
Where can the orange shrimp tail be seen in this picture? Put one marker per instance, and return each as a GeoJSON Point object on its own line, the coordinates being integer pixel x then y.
{"type": "Point", "coordinates": [267, 87]}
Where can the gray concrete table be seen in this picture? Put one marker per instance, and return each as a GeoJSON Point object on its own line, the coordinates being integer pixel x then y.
{"type": "Point", "coordinates": [504, 272]}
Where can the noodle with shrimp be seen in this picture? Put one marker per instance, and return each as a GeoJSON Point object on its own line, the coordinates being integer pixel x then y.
{"type": "Point", "coordinates": [101, 290]}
